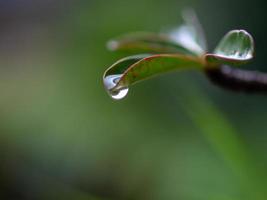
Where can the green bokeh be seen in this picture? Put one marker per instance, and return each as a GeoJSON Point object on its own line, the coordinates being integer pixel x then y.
{"type": "Point", "coordinates": [173, 137]}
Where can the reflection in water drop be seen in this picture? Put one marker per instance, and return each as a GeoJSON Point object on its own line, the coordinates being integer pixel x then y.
{"type": "Point", "coordinates": [119, 94]}
{"type": "Point", "coordinates": [110, 82]}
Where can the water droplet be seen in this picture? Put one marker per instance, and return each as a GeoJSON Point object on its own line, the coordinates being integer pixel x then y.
{"type": "Point", "coordinates": [110, 82]}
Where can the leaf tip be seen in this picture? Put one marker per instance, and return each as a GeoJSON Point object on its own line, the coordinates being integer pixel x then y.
{"type": "Point", "coordinates": [112, 45]}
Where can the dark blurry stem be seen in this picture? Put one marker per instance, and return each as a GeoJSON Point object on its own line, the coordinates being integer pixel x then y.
{"type": "Point", "coordinates": [238, 80]}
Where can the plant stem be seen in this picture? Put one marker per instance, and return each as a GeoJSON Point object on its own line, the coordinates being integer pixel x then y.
{"type": "Point", "coordinates": [224, 139]}
{"type": "Point", "coordinates": [238, 79]}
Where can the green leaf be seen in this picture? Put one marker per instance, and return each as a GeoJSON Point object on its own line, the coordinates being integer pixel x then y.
{"type": "Point", "coordinates": [145, 42]}
{"type": "Point", "coordinates": [133, 69]}
{"type": "Point", "coordinates": [190, 34]}
{"type": "Point", "coordinates": [237, 47]}
{"type": "Point", "coordinates": [187, 39]}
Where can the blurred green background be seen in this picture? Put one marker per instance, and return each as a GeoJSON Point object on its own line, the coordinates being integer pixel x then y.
{"type": "Point", "coordinates": [174, 137]}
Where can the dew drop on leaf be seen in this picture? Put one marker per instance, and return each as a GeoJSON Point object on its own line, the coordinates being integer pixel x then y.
{"type": "Point", "coordinates": [110, 82]}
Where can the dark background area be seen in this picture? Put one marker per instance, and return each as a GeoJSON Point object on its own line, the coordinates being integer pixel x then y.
{"type": "Point", "coordinates": [174, 137]}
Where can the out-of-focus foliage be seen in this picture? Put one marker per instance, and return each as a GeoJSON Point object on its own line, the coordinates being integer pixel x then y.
{"type": "Point", "coordinates": [143, 42]}
{"type": "Point", "coordinates": [62, 137]}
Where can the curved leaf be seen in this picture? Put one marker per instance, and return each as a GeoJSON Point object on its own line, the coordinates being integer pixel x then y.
{"type": "Point", "coordinates": [133, 69]}
{"type": "Point", "coordinates": [191, 20]}
{"type": "Point", "coordinates": [237, 47]}
{"type": "Point", "coordinates": [190, 35]}
{"type": "Point", "coordinates": [145, 42]}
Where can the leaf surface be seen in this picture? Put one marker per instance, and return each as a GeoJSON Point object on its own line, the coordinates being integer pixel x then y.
{"type": "Point", "coordinates": [190, 34]}
{"type": "Point", "coordinates": [133, 69]}
{"type": "Point", "coordinates": [236, 47]}
{"type": "Point", "coordinates": [146, 42]}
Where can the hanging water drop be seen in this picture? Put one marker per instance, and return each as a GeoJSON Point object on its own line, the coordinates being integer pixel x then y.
{"type": "Point", "coordinates": [110, 82]}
